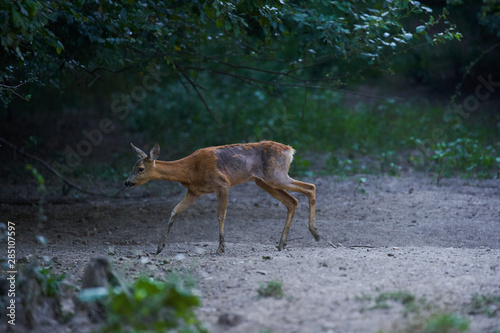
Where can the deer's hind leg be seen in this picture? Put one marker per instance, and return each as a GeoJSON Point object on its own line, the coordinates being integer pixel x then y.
{"type": "Point", "coordinates": [288, 200]}
{"type": "Point", "coordinates": [222, 199]}
{"type": "Point", "coordinates": [310, 191]}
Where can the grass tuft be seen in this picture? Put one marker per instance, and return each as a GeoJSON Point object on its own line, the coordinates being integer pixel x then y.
{"type": "Point", "coordinates": [271, 289]}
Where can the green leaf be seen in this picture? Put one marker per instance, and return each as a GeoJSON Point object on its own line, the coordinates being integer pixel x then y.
{"type": "Point", "coordinates": [17, 19]}
{"type": "Point", "coordinates": [420, 29]}
{"type": "Point", "coordinates": [428, 38]}
{"type": "Point", "coordinates": [427, 9]}
{"type": "Point", "coordinates": [93, 294]}
{"type": "Point", "coordinates": [219, 23]}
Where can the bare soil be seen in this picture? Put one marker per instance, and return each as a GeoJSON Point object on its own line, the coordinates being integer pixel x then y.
{"type": "Point", "coordinates": [438, 243]}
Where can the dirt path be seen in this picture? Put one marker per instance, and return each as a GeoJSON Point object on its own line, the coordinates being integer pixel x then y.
{"type": "Point", "coordinates": [403, 236]}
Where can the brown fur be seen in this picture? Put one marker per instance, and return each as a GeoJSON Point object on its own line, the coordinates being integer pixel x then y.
{"type": "Point", "coordinates": [216, 169]}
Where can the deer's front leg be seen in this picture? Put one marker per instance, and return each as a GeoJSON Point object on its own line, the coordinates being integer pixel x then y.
{"type": "Point", "coordinates": [222, 198]}
{"type": "Point", "coordinates": [187, 201]}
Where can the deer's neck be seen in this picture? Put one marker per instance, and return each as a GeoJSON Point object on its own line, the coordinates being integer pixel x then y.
{"type": "Point", "coordinates": [175, 171]}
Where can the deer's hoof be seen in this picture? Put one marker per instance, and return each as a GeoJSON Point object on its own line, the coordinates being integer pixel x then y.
{"type": "Point", "coordinates": [315, 234]}
{"type": "Point", "coordinates": [281, 246]}
{"type": "Point", "coordinates": [160, 248]}
{"type": "Point", "coordinates": [221, 249]}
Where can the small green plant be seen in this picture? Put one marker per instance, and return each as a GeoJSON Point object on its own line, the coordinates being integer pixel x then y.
{"type": "Point", "coordinates": [271, 289]}
{"type": "Point", "coordinates": [409, 301]}
{"type": "Point", "coordinates": [446, 323]}
{"type": "Point", "coordinates": [50, 283]}
{"type": "Point", "coordinates": [482, 304]}
{"type": "Point", "coordinates": [388, 163]}
{"type": "Point", "coordinates": [436, 323]}
{"type": "Point", "coordinates": [467, 155]}
{"type": "Point", "coordinates": [422, 316]}
{"type": "Point", "coordinates": [361, 181]}
{"type": "Point", "coordinates": [406, 299]}
{"type": "Point", "coordinates": [153, 306]}
{"type": "Point", "coordinates": [41, 189]}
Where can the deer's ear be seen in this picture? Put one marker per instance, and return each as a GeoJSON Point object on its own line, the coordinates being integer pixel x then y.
{"type": "Point", "coordinates": [139, 152]}
{"type": "Point", "coordinates": [155, 152]}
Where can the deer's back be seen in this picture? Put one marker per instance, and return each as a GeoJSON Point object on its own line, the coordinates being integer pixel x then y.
{"type": "Point", "coordinates": [242, 162]}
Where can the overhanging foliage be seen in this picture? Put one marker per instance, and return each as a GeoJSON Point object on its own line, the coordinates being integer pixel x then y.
{"type": "Point", "coordinates": [315, 44]}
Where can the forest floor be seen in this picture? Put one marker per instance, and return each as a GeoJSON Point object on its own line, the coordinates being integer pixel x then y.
{"type": "Point", "coordinates": [389, 237]}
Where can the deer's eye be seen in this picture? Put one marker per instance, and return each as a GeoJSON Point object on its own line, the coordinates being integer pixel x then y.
{"type": "Point", "coordinates": [141, 169]}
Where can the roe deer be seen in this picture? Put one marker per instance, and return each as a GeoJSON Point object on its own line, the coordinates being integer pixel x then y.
{"type": "Point", "coordinates": [216, 169]}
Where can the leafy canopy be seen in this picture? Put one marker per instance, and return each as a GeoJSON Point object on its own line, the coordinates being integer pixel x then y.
{"type": "Point", "coordinates": [266, 43]}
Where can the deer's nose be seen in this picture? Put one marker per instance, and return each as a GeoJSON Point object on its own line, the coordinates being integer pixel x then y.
{"type": "Point", "coordinates": [129, 184]}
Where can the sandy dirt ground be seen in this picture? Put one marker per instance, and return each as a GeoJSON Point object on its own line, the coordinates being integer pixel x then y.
{"type": "Point", "coordinates": [440, 244]}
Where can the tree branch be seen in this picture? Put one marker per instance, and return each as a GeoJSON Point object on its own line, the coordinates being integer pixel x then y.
{"type": "Point", "coordinates": [467, 71]}
{"type": "Point", "coordinates": [12, 89]}
{"type": "Point", "coordinates": [195, 87]}
{"type": "Point", "coordinates": [4, 86]}
{"type": "Point", "coordinates": [292, 85]}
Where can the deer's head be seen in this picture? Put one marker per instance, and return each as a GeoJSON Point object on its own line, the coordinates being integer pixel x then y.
{"type": "Point", "coordinates": [144, 168]}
